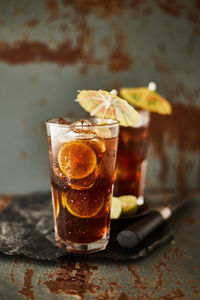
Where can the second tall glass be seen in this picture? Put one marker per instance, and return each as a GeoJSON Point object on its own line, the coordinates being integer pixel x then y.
{"type": "Point", "coordinates": [131, 158]}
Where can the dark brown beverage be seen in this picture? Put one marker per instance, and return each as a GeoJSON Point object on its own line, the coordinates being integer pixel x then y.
{"type": "Point", "coordinates": [82, 163]}
{"type": "Point", "coordinates": [131, 159]}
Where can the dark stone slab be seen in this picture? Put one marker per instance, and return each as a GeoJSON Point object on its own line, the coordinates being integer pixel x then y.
{"type": "Point", "coordinates": [26, 227]}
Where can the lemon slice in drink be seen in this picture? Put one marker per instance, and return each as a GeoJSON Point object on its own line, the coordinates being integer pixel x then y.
{"type": "Point", "coordinates": [129, 205]}
{"type": "Point", "coordinates": [116, 208]}
{"type": "Point", "coordinates": [77, 160]}
{"type": "Point", "coordinates": [82, 204]}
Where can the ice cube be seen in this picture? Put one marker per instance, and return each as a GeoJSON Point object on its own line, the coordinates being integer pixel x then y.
{"type": "Point", "coordinates": [103, 132]}
{"type": "Point", "coordinates": [83, 124]}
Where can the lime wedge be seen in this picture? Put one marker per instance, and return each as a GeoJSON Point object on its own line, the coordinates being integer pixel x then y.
{"type": "Point", "coordinates": [129, 205]}
{"type": "Point", "coordinates": [116, 208]}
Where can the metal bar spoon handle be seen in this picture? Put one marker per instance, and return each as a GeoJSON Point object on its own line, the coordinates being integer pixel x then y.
{"type": "Point", "coordinates": [134, 234]}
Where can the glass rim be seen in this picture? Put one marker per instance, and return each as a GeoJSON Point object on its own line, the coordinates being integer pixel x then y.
{"type": "Point", "coordinates": [112, 123]}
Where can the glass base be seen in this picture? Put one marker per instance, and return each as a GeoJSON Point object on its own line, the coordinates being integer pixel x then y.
{"type": "Point", "coordinates": [84, 248]}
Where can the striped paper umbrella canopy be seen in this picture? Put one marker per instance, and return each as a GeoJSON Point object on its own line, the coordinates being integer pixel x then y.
{"type": "Point", "coordinates": [103, 104]}
{"type": "Point", "coordinates": [147, 98]}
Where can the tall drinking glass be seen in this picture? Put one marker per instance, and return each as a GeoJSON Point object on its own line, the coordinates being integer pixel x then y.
{"type": "Point", "coordinates": [131, 158]}
{"type": "Point", "coordinates": [82, 157]}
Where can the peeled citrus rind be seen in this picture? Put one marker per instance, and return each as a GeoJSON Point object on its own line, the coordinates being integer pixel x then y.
{"type": "Point", "coordinates": [76, 160]}
{"type": "Point", "coordinates": [80, 206]}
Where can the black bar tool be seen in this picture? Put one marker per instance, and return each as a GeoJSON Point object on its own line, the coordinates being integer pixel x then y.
{"type": "Point", "coordinates": [134, 234]}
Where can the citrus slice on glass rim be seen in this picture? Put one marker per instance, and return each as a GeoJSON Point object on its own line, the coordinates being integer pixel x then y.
{"type": "Point", "coordinates": [76, 160]}
{"type": "Point", "coordinates": [85, 205]}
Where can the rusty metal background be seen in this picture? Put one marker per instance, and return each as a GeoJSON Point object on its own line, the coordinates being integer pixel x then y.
{"type": "Point", "coordinates": [50, 49]}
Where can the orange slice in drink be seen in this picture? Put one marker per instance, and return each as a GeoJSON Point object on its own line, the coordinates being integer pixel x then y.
{"type": "Point", "coordinates": [82, 204]}
{"type": "Point", "coordinates": [77, 160]}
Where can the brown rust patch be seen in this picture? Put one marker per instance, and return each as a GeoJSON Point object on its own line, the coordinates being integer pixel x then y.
{"type": "Point", "coordinates": [27, 289]}
{"type": "Point", "coordinates": [177, 254]}
{"type": "Point", "coordinates": [41, 102]}
{"type": "Point", "coordinates": [190, 220]}
{"type": "Point", "coordinates": [72, 279]}
{"type": "Point", "coordinates": [12, 271]}
{"type": "Point", "coordinates": [194, 13]}
{"type": "Point", "coordinates": [24, 155]}
{"type": "Point", "coordinates": [159, 267]}
{"type": "Point", "coordinates": [119, 59]}
{"type": "Point", "coordinates": [102, 8]}
{"type": "Point", "coordinates": [66, 53]}
{"type": "Point", "coordinates": [116, 263]}
{"type": "Point", "coordinates": [174, 295]}
{"type": "Point", "coordinates": [124, 296]}
{"type": "Point", "coordinates": [33, 23]}
{"type": "Point", "coordinates": [52, 7]}
{"type": "Point", "coordinates": [138, 282]}
{"type": "Point", "coordinates": [4, 201]}
{"type": "Point", "coordinates": [181, 128]}
{"type": "Point", "coordinates": [173, 8]}
{"type": "Point", "coordinates": [19, 8]}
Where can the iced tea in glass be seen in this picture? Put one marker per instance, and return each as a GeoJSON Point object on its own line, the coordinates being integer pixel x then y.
{"type": "Point", "coordinates": [131, 158]}
{"type": "Point", "coordinates": [82, 156]}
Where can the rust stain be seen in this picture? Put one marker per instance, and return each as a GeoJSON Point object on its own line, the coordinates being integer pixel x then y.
{"type": "Point", "coordinates": [12, 271]}
{"type": "Point", "coordinates": [27, 289]}
{"type": "Point", "coordinates": [138, 282]}
{"type": "Point", "coordinates": [177, 254]}
{"type": "Point", "coordinates": [73, 280]}
{"type": "Point", "coordinates": [119, 59]}
{"type": "Point", "coordinates": [52, 7]}
{"type": "Point", "coordinates": [190, 220]}
{"type": "Point", "coordinates": [19, 8]}
{"type": "Point", "coordinates": [41, 102]}
{"type": "Point", "coordinates": [66, 53]}
{"type": "Point", "coordinates": [4, 201]}
{"type": "Point", "coordinates": [179, 283]}
{"type": "Point", "coordinates": [113, 285]}
{"type": "Point", "coordinates": [103, 296]}
{"type": "Point", "coordinates": [193, 14]}
{"type": "Point", "coordinates": [24, 155]}
{"type": "Point", "coordinates": [162, 48]}
{"type": "Point", "coordinates": [116, 263]}
{"type": "Point", "coordinates": [166, 256]}
{"type": "Point", "coordinates": [173, 8]}
{"type": "Point", "coordinates": [182, 128]}
{"type": "Point", "coordinates": [174, 295]}
{"type": "Point", "coordinates": [124, 296]}
{"type": "Point", "coordinates": [106, 43]}
{"type": "Point", "coordinates": [159, 267]}
{"type": "Point", "coordinates": [63, 27]}
{"type": "Point", "coordinates": [33, 23]}
{"type": "Point", "coordinates": [163, 68]}
{"type": "Point", "coordinates": [101, 8]}
{"type": "Point", "coordinates": [136, 4]}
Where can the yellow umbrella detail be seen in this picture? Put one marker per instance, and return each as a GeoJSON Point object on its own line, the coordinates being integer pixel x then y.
{"type": "Point", "coordinates": [147, 98]}
{"type": "Point", "coordinates": [103, 104]}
